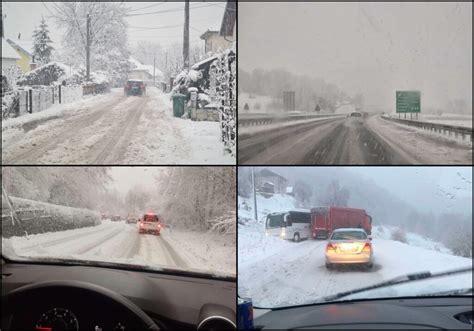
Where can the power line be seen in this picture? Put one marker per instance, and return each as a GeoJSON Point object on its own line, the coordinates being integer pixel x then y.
{"type": "Point", "coordinates": [155, 5]}
{"type": "Point", "coordinates": [170, 26]}
{"type": "Point", "coordinates": [169, 10]}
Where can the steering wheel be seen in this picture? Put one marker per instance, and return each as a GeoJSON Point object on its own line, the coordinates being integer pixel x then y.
{"type": "Point", "coordinates": [75, 291]}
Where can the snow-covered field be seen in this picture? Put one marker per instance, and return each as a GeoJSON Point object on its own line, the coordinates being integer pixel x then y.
{"type": "Point", "coordinates": [120, 242]}
{"type": "Point", "coordinates": [256, 103]}
{"type": "Point", "coordinates": [112, 129]}
{"type": "Point", "coordinates": [274, 272]}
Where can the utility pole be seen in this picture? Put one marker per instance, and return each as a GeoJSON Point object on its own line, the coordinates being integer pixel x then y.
{"type": "Point", "coordinates": [186, 36]}
{"type": "Point", "coordinates": [3, 26]}
{"type": "Point", "coordinates": [154, 61]}
{"type": "Point", "coordinates": [254, 196]}
{"type": "Point", "coordinates": [88, 48]}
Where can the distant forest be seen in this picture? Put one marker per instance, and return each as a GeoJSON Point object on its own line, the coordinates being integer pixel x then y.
{"type": "Point", "coordinates": [310, 92]}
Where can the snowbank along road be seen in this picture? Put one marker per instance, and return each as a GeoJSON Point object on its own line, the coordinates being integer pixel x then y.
{"type": "Point", "coordinates": [112, 129]}
{"type": "Point", "coordinates": [109, 241]}
{"type": "Point", "coordinates": [347, 140]}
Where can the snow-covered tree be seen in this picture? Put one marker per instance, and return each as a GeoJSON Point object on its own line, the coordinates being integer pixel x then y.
{"type": "Point", "coordinates": [336, 195]}
{"type": "Point", "coordinates": [42, 48]}
{"type": "Point", "coordinates": [136, 199]}
{"type": "Point", "coordinates": [109, 48]}
{"type": "Point", "coordinates": [198, 198]}
{"type": "Point", "coordinates": [222, 90]}
{"type": "Point", "coordinates": [303, 192]}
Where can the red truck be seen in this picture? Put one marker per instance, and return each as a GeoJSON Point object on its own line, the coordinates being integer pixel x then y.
{"type": "Point", "coordinates": [324, 220]}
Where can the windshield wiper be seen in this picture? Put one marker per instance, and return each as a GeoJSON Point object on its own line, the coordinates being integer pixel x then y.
{"type": "Point", "coordinates": [460, 291]}
{"type": "Point", "coordinates": [397, 280]}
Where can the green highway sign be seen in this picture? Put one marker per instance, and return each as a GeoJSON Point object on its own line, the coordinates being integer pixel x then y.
{"type": "Point", "coordinates": [408, 101]}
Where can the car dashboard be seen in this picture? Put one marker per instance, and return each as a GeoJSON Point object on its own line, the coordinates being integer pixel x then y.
{"type": "Point", "coordinates": [446, 313]}
{"type": "Point", "coordinates": [172, 301]}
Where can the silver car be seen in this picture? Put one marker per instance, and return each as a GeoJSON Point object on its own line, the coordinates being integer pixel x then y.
{"type": "Point", "coordinates": [349, 246]}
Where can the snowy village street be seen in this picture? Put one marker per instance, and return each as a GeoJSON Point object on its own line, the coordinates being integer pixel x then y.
{"type": "Point", "coordinates": [347, 140]}
{"type": "Point", "coordinates": [114, 129]}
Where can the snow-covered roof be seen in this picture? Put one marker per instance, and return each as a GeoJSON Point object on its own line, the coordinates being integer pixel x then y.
{"type": "Point", "coordinates": [25, 45]}
{"type": "Point", "coordinates": [200, 63]}
{"type": "Point", "coordinates": [8, 52]}
{"type": "Point", "coordinates": [209, 33]}
{"type": "Point", "coordinates": [300, 210]}
{"type": "Point", "coordinates": [138, 66]}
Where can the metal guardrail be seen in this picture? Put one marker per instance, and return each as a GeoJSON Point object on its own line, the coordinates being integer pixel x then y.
{"type": "Point", "coordinates": [435, 127]}
{"type": "Point", "coordinates": [271, 119]}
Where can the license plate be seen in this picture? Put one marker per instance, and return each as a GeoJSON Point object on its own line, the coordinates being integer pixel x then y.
{"type": "Point", "coordinates": [347, 248]}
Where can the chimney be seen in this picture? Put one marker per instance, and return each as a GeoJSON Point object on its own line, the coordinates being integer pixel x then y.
{"type": "Point", "coordinates": [19, 36]}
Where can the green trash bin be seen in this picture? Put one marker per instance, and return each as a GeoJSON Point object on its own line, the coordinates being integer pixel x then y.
{"type": "Point", "coordinates": [178, 104]}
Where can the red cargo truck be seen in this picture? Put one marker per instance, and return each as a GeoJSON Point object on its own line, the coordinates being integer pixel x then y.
{"type": "Point", "coordinates": [326, 219]}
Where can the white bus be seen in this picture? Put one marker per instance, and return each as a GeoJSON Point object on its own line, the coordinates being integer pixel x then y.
{"type": "Point", "coordinates": [294, 225]}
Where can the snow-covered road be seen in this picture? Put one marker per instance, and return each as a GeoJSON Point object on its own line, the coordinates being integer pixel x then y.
{"type": "Point", "coordinates": [274, 272]}
{"type": "Point", "coordinates": [351, 141]}
{"type": "Point", "coordinates": [109, 241]}
{"type": "Point", "coordinates": [111, 129]}
{"type": "Point", "coordinates": [121, 242]}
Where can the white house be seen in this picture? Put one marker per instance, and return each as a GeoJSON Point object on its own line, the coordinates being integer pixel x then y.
{"type": "Point", "coordinates": [9, 55]}
{"type": "Point", "coordinates": [144, 72]}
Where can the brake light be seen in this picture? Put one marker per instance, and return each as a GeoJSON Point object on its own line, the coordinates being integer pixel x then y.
{"type": "Point", "coordinates": [330, 247]}
{"type": "Point", "coordinates": [367, 247]}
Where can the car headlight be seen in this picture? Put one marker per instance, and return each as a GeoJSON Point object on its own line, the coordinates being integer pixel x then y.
{"type": "Point", "coordinates": [283, 232]}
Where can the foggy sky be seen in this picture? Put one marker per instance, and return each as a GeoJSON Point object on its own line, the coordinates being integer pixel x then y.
{"type": "Point", "coordinates": [423, 187]}
{"type": "Point", "coordinates": [125, 178]}
{"type": "Point", "coordinates": [22, 17]}
{"type": "Point", "coordinates": [373, 48]}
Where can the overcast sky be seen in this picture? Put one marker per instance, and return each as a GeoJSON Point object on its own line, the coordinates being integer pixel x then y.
{"type": "Point", "coordinates": [424, 187]}
{"type": "Point", "coordinates": [373, 48]}
{"type": "Point", "coordinates": [22, 17]}
{"type": "Point", "coordinates": [125, 178]}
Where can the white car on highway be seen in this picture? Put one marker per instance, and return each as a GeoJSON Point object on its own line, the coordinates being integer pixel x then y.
{"type": "Point", "coordinates": [349, 246]}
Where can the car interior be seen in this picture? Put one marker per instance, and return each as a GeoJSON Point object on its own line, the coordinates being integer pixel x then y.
{"type": "Point", "coordinates": [442, 313]}
{"type": "Point", "coordinates": [73, 295]}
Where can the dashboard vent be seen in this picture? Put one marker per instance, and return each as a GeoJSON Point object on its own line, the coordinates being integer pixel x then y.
{"type": "Point", "coordinates": [465, 317]}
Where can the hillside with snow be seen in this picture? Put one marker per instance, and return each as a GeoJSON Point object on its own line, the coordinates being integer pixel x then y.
{"type": "Point", "coordinates": [275, 272]}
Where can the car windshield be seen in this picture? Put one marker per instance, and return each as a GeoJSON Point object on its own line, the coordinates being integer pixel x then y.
{"type": "Point", "coordinates": [348, 235]}
{"type": "Point", "coordinates": [274, 221]}
{"type": "Point", "coordinates": [150, 218]}
{"type": "Point", "coordinates": [79, 215]}
{"type": "Point", "coordinates": [419, 220]}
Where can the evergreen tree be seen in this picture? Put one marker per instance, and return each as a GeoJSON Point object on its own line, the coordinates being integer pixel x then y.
{"type": "Point", "coordinates": [42, 48]}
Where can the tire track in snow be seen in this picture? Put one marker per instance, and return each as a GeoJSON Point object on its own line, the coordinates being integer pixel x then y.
{"type": "Point", "coordinates": [98, 242]}
{"type": "Point", "coordinates": [67, 239]}
{"type": "Point", "coordinates": [70, 127]}
{"type": "Point", "coordinates": [116, 141]}
{"type": "Point", "coordinates": [174, 256]}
